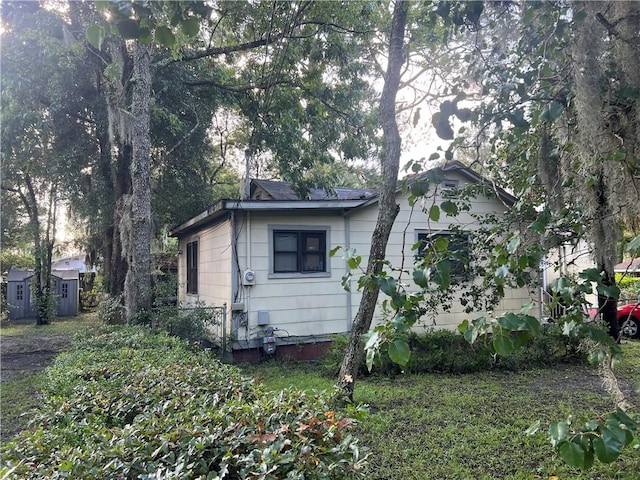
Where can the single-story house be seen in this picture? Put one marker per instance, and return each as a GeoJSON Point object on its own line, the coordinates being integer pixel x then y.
{"type": "Point", "coordinates": [267, 259]}
{"type": "Point", "coordinates": [64, 282]}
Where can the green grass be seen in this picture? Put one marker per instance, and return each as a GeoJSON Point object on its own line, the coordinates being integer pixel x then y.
{"type": "Point", "coordinates": [18, 397]}
{"type": "Point", "coordinates": [472, 426]}
{"type": "Point", "coordinates": [19, 392]}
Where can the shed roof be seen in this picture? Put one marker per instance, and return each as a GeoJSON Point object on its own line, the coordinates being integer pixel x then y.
{"type": "Point", "coordinates": [19, 274]}
{"type": "Point", "coordinates": [66, 273]}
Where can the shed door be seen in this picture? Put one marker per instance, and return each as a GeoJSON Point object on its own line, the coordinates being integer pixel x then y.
{"type": "Point", "coordinates": [19, 299]}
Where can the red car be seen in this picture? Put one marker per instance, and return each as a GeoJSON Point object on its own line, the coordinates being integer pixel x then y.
{"type": "Point", "coordinates": [629, 318]}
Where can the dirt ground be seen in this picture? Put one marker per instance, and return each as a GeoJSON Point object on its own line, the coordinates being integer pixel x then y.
{"type": "Point", "coordinates": [20, 355]}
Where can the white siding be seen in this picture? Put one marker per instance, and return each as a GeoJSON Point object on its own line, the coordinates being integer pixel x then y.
{"type": "Point", "coordinates": [302, 306]}
{"type": "Point", "coordinates": [214, 266]}
{"type": "Point", "coordinates": [404, 236]}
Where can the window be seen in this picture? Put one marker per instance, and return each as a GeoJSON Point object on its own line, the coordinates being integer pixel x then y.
{"type": "Point", "coordinates": [458, 250]}
{"type": "Point", "coordinates": [448, 183]}
{"type": "Point", "coordinates": [19, 292]}
{"type": "Point", "coordinates": [65, 290]}
{"type": "Point", "coordinates": [299, 251]}
{"type": "Point", "coordinates": [192, 267]}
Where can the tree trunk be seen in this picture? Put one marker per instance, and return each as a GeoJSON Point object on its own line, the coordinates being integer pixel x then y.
{"type": "Point", "coordinates": [122, 186]}
{"type": "Point", "coordinates": [606, 238]}
{"type": "Point", "coordinates": [137, 288]}
{"type": "Point", "coordinates": [388, 209]}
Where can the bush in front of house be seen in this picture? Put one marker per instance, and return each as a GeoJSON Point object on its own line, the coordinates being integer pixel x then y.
{"type": "Point", "coordinates": [445, 351]}
{"type": "Point", "coordinates": [132, 403]}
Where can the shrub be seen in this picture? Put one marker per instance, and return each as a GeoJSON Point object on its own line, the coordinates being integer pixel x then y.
{"type": "Point", "coordinates": [445, 351]}
{"type": "Point", "coordinates": [128, 403]}
{"type": "Point", "coordinates": [629, 286]}
{"type": "Point", "coordinates": [189, 324]}
{"type": "Point", "coordinates": [111, 310]}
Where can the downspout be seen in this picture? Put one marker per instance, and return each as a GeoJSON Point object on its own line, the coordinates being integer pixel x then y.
{"type": "Point", "coordinates": [234, 258]}
{"type": "Point", "coordinates": [248, 265]}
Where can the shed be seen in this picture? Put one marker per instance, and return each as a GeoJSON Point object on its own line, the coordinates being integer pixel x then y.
{"type": "Point", "coordinates": [65, 285]}
{"type": "Point", "coordinates": [65, 282]}
{"type": "Point", "coordinates": [19, 294]}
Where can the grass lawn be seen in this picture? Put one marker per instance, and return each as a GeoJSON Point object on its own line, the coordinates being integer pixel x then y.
{"type": "Point", "coordinates": [26, 350]}
{"type": "Point", "coordinates": [472, 426]}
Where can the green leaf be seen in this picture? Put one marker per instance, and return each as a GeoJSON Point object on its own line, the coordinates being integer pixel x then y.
{"type": "Point", "coordinates": [371, 355]}
{"type": "Point", "coordinates": [634, 244]}
{"type": "Point", "coordinates": [607, 446]}
{"type": "Point", "coordinates": [611, 291]}
{"type": "Point", "coordinates": [443, 279]}
{"type": "Point", "coordinates": [388, 285]}
{"type": "Point", "coordinates": [190, 27]}
{"type": "Point", "coordinates": [573, 454]}
{"type": "Point", "coordinates": [502, 344]}
{"type": "Point", "coordinates": [441, 244]}
{"type": "Point", "coordinates": [334, 251]}
{"type": "Point", "coordinates": [165, 37]}
{"type": "Point", "coordinates": [449, 208]}
{"type": "Point", "coordinates": [434, 213]}
{"type": "Point", "coordinates": [591, 274]}
{"type": "Point", "coordinates": [95, 35]}
{"type": "Point", "coordinates": [420, 278]}
{"type": "Point", "coordinates": [604, 454]}
{"type": "Point", "coordinates": [513, 244]}
{"type": "Point", "coordinates": [624, 419]}
{"type": "Point", "coordinates": [552, 112]}
{"type": "Point", "coordinates": [128, 28]}
{"type": "Point", "coordinates": [146, 38]}
{"type": "Point", "coordinates": [558, 432]}
{"type": "Point", "coordinates": [354, 262]}
{"type": "Point", "coordinates": [399, 352]}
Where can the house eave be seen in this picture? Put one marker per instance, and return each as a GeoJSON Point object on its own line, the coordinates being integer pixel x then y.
{"type": "Point", "coordinates": [223, 207]}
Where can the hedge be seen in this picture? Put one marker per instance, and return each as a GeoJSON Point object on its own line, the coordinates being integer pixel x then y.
{"type": "Point", "coordinates": [133, 404]}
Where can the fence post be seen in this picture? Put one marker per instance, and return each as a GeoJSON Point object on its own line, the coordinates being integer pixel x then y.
{"type": "Point", "coordinates": [224, 331]}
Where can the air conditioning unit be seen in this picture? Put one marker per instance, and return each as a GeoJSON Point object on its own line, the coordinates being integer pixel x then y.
{"type": "Point", "coordinates": [249, 277]}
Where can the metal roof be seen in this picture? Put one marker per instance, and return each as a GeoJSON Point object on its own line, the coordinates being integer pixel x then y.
{"type": "Point", "coordinates": [283, 191]}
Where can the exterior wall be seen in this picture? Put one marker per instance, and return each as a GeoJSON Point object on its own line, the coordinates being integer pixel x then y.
{"type": "Point", "coordinates": [302, 307]}
{"type": "Point", "coordinates": [66, 305]}
{"type": "Point", "coordinates": [214, 266]}
{"type": "Point", "coordinates": [569, 260]}
{"type": "Point", "coordinates": [404, 235]}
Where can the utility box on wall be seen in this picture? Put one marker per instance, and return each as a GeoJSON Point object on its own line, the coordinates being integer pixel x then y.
{"type": "Point", "coordinates": [263, 317]}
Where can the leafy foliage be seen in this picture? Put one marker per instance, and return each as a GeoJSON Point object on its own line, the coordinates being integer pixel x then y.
{"type": "Point", "coordinates": [133, 404]}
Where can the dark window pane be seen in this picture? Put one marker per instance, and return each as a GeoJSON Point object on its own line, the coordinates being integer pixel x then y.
{"type": "Point", "coordinates": [285, 262]}
{"type": "Point", "coordinates": [313, 262]}
{"type": "Point", "coordinates": [286, 242]}
{"type": "Point", "coordinates": [299, 251]}
{"type": "Point", "coordinates": [192, 267]}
